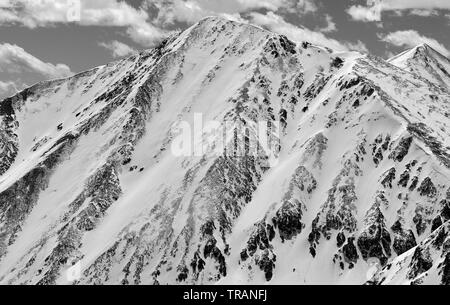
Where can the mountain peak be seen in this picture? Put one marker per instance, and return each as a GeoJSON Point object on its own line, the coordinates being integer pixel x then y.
{"type": "Point", "coordinates": [424, 61]}
{"type": "Point", "coordinates": [420, 50]}
{"type": "Point", "coordinates": [425, 48]}
{"type": "Point", "coordinates": [225, 24]}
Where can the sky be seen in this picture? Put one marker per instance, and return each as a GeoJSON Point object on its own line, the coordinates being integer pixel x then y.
{"type": "Point", "coordinates": [47, 39]}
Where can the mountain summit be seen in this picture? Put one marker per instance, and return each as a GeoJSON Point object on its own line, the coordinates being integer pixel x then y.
{"type": "Point", "coordinates": [426, 62]}
{"type": "Point", "coordinates": [93, 191]}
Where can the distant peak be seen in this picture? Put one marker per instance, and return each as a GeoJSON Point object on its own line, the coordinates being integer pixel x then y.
{"type": "Point", "coordinates": [424, 45]}
{"type": "Point", "coordinates": [420, 51]}
{"type": "Point", "coordinates": [207, 23]}
{"type": "Point", "coordinates": [429, 50]}
{"type": "Point", "coordinates": [221, 25]}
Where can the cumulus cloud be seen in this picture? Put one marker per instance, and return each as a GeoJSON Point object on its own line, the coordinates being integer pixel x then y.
{"type": "Point", "coordinates": [7, 88]}
{"type": "Point", "coordinates": [424, 13]}
{"type": "Point", "coordinates": [14, 59]}
{"type": "Point", "coordinates": [330, 27]}
{"type": "Point", "coordinates": [172, 11]}
{"type": "Point", "coordinates": [116, 13]}
{"type": "Point", "coordinates": [293, 6]}
{"type": "Point", "coordinates": [277, 24]}
{"type": "Point", "coordinates": [17, 66]}
{"type": "Point", "coordinates": [373, 9]}
{"type": "Point", "coordinates": [366, 14]}
{"type": "Point", "coordinates": [267, 4]}
{"type": "Point", "coordinates": [117, 48]}
{"type": "Point", "coordinates": [190, 11]}
{"type": "Point", "coordinates": [357, 46]}
{"type": "Point", "coordinates": [411, 38]}
{"type": "Point", "coordinates": [144, 23]}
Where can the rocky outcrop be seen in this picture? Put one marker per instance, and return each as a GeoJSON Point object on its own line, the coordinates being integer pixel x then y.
{"type": "Point", "coordinates": [427, 188]}
{"type": "Point", "coordinates": [8, 137]}
{"type": "Point", "coordinates": [404, 240]}
{"type": "Point", "coordinates": [421, 131]}
{"type": "Point", "coordinates": [17, 202]}
{"type": "Point", "coordinates": [375, 241]}
{"type": "Point", "coordinates": [288, 220]}
{"type": "Point", "coordinates": [260, 250]}
{"type": "Point", "coordinates": [402, 149]}
{"type": "Point", "coordinates": [338, 211]}
{"type": "Point", "coordinates": [103, 189]}
{"type": "Point", "coordinates": [210, 249]}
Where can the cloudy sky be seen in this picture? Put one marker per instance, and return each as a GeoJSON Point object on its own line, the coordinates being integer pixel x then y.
{"type": "Point", "coordinates": [45, 39]}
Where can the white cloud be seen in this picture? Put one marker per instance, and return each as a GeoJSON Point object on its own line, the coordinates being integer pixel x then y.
{"type": "Point", "coordinates": [190, 11]}
{"type": "Point", "coordinates": [330, 27]}
{"type": "Point", "coordinates": [424, 13]}
{"type": "Point", "coordinates": [357, 46]}
{"type": "Point", "coordinates": [7, 88]}
{"type": "Point", "coordinates": [117, 48]}
{"type": "Point", "coordinates": [294, 6]}
{"type": "Point", "coordinates": [32, 14]}
{"type": "Point", "coordinates": [373, 9]}
{"type": "Point", "coordinates": [411, 38]}
{"type": "Point", "coordinates": [306, 6]}
{"type": "Point", "coordinates": [277, 24]}
{"type": "Point", "coordinates": [17, 67]}
{"type": "Point", "coordinates": [366, 14]}
{"type": "Point", "coordinates": [14, 59]}
{"type": "Point", "coordinates": [177, 10]}
{"type": "Point", "coordinates": [267, 4]}
{"type": "Point", "coordinates": [234, 17]}
{"type": "Point", "coordinates": [139, 25]}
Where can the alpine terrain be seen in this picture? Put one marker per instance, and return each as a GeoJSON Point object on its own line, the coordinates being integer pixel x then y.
{"type": "Point", "coordinates": [91, 191]}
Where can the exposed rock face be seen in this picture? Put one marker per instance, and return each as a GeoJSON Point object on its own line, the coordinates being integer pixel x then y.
{"type": "Point", "coordinates": [288, 220]}
{"type": "Point", "coordinates": [375, 240]}
{"type": "Point", "coordinates": [403, 239]}
{"type": "Point", "coordinates": [259, 248]}
{"type": "Point", "coordinates": [420, 262]}
{"type": "Point", "coordinates": [338, 211]}
{"type": "Point", "coordinates": [98, 187]}
{"type": "Point", "coordinates": [402, 149]}
{"type": "Point", "coordinates": [427, 188]}
{"type": "Point", "coordinates": [445, 212]}
{"type": "Point", "coordinates": [390, 177]}
{"type": "Point", "coordinates": [8, 136]}
{"type": "Point", "coordinates": [446, 270]}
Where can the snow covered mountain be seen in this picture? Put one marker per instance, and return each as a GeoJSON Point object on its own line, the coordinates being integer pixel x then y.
{"type": "Point", "coordinates": [92, 193]}
{"type": "Point", "coordinates": [426, 62]}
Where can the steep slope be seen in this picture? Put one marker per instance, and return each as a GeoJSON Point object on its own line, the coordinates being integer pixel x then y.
{"type": "Point", "coordinates": [356, 174]}
{"type": "Point", "coordinates": [426, 62]}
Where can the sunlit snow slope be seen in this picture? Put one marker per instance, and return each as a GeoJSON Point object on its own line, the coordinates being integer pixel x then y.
{"type": "Point", "coordinates": [360, 192]}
